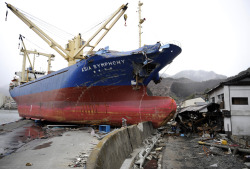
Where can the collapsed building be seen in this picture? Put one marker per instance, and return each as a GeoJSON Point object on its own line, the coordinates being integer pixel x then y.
{"type": "Point", "coordinates": [204, 119]}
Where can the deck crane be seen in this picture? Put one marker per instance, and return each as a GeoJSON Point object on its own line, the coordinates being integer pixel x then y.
{"type": "Point", "coordinates": [24, 50]}
{"type": "Point", "coordinates": [50, 56]}
{"type": "Point", "coordinates": [74, 48]}
{"type": "Point", "coordinates": [26, 55]}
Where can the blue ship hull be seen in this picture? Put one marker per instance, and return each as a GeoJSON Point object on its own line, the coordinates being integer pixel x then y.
{"type": "Point", "coordinates": [101, 89]}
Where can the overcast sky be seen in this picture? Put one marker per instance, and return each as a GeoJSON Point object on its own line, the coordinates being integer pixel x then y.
{"type": "Point", "coordinates": [214, 34]}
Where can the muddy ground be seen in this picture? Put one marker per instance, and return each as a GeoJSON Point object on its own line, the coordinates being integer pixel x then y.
{"type": "Point", "coordinates": [186, 153]}
{"type": "Point", "coordinates": [26, 138]}
{"type": "Point", "coordinates": [26, 143]}
{"type": "Point", "coordinates": [16, 134]}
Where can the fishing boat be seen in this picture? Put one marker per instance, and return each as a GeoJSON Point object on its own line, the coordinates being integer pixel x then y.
{"type": "Point", "coordinates": [101, 87]}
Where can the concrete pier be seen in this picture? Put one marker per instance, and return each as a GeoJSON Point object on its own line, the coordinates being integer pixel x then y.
{"type": "Point", "coordinates": [23, 144]}
{"type": "Point", "coordinates": [57, 152]}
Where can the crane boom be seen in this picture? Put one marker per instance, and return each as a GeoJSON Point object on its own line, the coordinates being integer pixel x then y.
{"type": "Point", "coordinates": [119, 11]}
{"type": "Point", "coordinates": [53, 44]}
{"type": "Point", "coordinates": [74, 49]}
{"type": "Point", "coordinates": [39, 53]}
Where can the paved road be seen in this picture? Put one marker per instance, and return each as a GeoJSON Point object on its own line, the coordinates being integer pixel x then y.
{"type": "Point", "coordinates": [55, 152]}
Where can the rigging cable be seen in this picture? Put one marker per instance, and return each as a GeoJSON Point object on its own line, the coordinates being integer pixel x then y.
{"type": "Point", "coordinates": [92, 27]}
{"type": "Point", "coordinates": [166, 69]}
{"type": "Point", "coordinates": [49, 27]}
{"type": "Point", "coordinates": [35, 44]}
{"type": "Point", "coordinates": [35, 18]}
{"type": "Point", "coordinates": [99, 22]}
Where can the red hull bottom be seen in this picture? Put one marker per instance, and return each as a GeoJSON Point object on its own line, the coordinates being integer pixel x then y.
{"type": "Point", "coordinates": [97, 105]}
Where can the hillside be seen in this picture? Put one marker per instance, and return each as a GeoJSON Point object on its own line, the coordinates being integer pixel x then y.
{"type": "Point", "coordinates": [198, 75]}
{"type": "Point", "coordinates": [184, 90]}
{"type": "Point", "coordinates": [180, 89]}
{"type": "Point", "coordinates": [186, 84]}
{"type": "Point", "coordinates": [163, 88]}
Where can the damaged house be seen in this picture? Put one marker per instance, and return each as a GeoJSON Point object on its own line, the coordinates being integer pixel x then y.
{"type": "Point", "coordinates": [204, 119]}
{"type": "Point", "coordinates": [233, 96]}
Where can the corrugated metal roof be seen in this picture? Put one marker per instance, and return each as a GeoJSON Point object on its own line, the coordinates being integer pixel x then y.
{"type": "Point", "coordinates": [199, 108]}
{"type": "Point", "coordinates": [193, 108]}
{"type": "Point", "coordinates": [191, 102]}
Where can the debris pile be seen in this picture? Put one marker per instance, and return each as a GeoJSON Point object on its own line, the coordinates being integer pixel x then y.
{"type": "Point", "coordinates": [80, 160]}
{"type": "Point", "coordinates": [225, 148]}
{"type": "Point", "coordinates": [203, 119]}
{"type": "Point", "coordinates": [225, 144]}
{"type": "Point", "coordinates": [217, 151]}
{"type": "Point", "coordinates": [151, 153]}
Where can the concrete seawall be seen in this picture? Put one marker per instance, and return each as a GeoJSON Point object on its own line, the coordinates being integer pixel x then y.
{"type": "Point", "coordinates": [112, 150]}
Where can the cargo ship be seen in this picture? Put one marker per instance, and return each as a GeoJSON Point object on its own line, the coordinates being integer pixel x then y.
{"type": "Point", "coordinates": [102, 87]}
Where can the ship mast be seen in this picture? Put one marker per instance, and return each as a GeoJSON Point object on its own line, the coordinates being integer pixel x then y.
{"type": "Point", "coordinates": [140, 20]}
{"type": "Point", "coordinates": [74, 49]}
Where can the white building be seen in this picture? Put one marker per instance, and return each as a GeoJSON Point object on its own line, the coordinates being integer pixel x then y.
{"type": "Point", "coordinates": [233, 95]}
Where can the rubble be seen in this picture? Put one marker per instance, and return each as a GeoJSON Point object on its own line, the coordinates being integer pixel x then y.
{"type": "Point", "coordinates": [247, 164]}
{"type": "Point", "coordinates": [149, 145]}
{"type": "Point", "coordinates": [183, 152]}
{"type": "Point", "coordinates": [28, 164]}
{"type": "Point", "coordinates": [176, 149]}
{"type": "Point", "coordinates": [207, 120]}
{"type": "Point", "coordinates": [214, 165]}
{"type": "Point", "coordinates": [151, 153]}
{"type": "Point", "coordinates": [158, 149]}
{"type": "Point", "coordinates": [243, 150]}
{"type": "Point", "coordinates": [80, 161]}
{"type": "Point", "coordinates": [216, 151]}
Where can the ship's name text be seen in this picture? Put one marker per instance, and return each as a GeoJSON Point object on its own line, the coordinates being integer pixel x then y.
{"type": "Point", "coordinates": [103, 65]}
